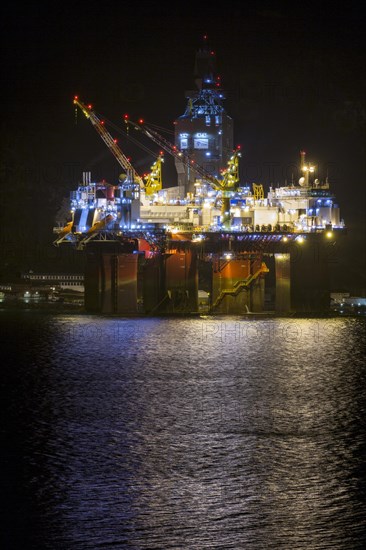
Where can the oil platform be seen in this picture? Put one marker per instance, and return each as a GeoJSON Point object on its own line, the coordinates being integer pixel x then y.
{"type": "Point", "coordinates": [210, 243]}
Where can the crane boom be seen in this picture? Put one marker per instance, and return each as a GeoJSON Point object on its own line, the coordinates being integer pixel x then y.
{"type": "Point", "coordinates": [174, 151]}
{"type": "Point", "coordinates": [228, 183]}
{"type": "Point", "coordinates": [109, 141]}
{"type": "Point", "coordinates": [230, 176]}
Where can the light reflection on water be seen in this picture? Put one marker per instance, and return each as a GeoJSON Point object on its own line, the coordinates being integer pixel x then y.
{"type": "Point", "coordinates": [185, 433]}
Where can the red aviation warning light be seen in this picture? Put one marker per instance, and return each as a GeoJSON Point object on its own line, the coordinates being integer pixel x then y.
{"type": "Point", "coordinates": [109, 141]}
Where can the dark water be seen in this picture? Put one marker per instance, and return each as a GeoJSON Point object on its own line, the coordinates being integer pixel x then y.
{"type": "Point", "coordinates": [183, 433]}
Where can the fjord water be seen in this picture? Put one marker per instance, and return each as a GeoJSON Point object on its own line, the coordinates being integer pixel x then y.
{"type": "Point", "coordinates": [182, 433]}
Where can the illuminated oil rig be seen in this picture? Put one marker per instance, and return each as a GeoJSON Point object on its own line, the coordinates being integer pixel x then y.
{"type": "Point", "coordinates": [208, 243]}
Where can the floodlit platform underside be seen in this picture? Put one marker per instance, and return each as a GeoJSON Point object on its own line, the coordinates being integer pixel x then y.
{"type": "Point", "coordinates": [230, 275]}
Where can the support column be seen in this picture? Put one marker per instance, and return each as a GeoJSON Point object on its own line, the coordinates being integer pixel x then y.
{"type": "Point", "coordinates": [92, 282]}
{"type": "Point", "coordinates": [257, 295]}
{"type": "Point", "coordinates": [181, 282]}
{"type": "Point", "coordinates": [127, 281]}
{"type": "Point", "coordinates": [106, 280]}
{"type": "Point", "coordinates": [283, 283]}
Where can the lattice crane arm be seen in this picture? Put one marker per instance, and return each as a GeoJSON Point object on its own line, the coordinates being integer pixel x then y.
{"type": "Point", "coordinates": [109, 141]}
{"type": "Point", "coordinates": [178, 154]}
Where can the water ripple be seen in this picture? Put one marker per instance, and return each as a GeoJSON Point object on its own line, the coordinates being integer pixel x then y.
{"type": "Point", "coordinates": [184, 433]}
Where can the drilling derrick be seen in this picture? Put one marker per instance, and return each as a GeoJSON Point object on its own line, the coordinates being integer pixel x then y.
{"type": "Point", "coordinates": [204, 132]}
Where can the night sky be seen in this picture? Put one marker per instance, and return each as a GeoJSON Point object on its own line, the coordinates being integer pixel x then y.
{"type": "Point", "coordinates": [294, 78]}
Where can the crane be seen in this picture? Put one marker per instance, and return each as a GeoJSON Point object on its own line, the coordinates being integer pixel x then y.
{"type": "Point", "coordinates": [227, 185]}
{"type": "Point", "coordinates": [110, 142]}
{"type": "Point", "coordinates": [153, 179]}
